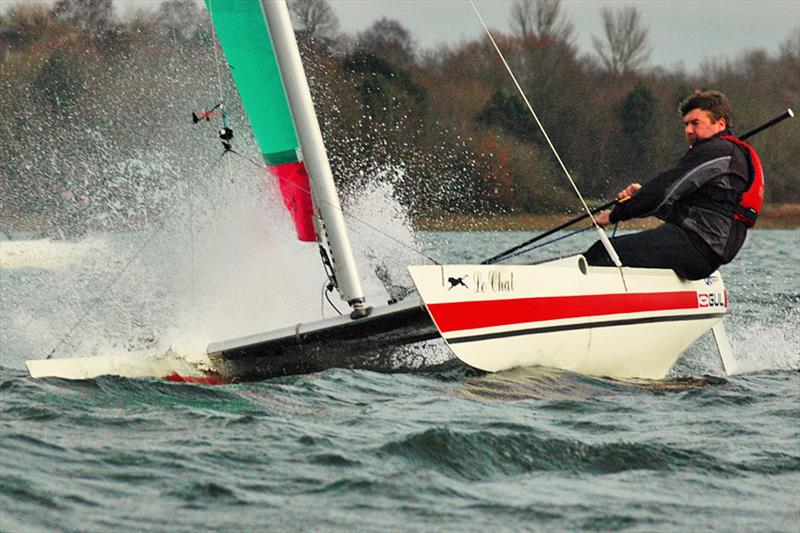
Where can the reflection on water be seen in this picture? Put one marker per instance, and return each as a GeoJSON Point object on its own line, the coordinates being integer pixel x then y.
{"type": "Point", "coordinates": [554, 384]}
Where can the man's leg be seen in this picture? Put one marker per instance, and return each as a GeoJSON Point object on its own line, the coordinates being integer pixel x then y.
{"type": "Point", "coordinates": [666, 246]}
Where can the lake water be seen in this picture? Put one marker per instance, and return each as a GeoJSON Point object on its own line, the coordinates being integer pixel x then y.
{"type": "Point", "coordinates": [342, 450]}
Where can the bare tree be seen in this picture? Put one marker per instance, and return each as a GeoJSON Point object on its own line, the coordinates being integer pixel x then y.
{"type": "Point", "coordinates": [95, 15]}
{"type": "Point", "coordinates": [791, 46]}
{"type": "Point", "coordinates": [390, 39]}
{"type": "Point", "coordinates": [316, 17]}
{"type": "Point", "coordinates": [542, 19]}
{"type": "Point", "coordinates": [625, 47]}
{"type": "Point", "coordinates": [180, 18]}
{"type": "Point", "coordinates": [522, 18]}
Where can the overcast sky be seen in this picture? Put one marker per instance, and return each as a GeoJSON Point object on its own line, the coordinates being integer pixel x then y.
{"type": "Point", "coordinates": [681, 31]}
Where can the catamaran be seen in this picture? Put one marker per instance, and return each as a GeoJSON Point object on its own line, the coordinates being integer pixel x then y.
{"type": "Point", "coordinates": [616, 321]}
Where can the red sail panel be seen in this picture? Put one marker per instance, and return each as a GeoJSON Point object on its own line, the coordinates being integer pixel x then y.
{"type": "Point", "coordinates": [296, 193]}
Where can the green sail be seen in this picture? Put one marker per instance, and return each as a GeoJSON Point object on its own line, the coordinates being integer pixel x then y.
{"type": "Point", "coordinates": [244, 36]}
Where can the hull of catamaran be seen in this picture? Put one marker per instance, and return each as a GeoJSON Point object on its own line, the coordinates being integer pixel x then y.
{"type": "Point", "coordinates": [628, 323]}
{"type": "Point", "coordinates": [341, 342]}
{"type": "Point", "coordinates": [365, 343]}
{"type": "Point", "coordinates": [604, 321]}
{"type": "Point", "coordinates": [169, 366]}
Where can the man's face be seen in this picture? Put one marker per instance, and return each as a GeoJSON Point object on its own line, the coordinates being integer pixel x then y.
{"type": "Point", "coordinates": [700, 124]}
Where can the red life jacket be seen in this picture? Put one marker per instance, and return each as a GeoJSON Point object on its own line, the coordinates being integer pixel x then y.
{"type": "Point", "coordinates": [753, 198]}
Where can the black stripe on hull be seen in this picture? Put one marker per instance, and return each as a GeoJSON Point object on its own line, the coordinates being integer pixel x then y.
{"type": "Point", "coordinates": [585, 325]}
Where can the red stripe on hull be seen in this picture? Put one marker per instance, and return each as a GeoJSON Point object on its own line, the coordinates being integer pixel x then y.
{"type": "Point", "coordinates": [484, 314]}
{"type": "Point", "coordinates": [294, 185]}
{"type": "Point", "coordinates": [202, 380]}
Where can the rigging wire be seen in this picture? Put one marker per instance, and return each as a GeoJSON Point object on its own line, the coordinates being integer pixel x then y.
{"type": "Point", "coordinates": [220, 93]}
{"type": "Point", "coordinates": [603, 237]}
{"type": "Point", "coordinates": [105, 290]}
{"type": "Point", "coordinates": [402, 243]}
{"type": "Point", "coordinates": [101, 295]}
{"type": "Point", "coordinates": [545, 243]}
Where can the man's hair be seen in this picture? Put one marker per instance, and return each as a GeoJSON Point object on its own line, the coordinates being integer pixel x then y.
{"type": "Point", "coordinates": [714, 102]}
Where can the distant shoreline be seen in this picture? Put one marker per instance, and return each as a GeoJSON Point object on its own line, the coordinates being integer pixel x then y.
{"type": "Point", "coordinates": [774, 216]}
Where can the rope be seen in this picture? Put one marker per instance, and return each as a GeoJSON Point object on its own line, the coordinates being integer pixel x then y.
{"type": "Point", "coordinates": [218, 64]}
{"type": "Point", "coordinates": [216, 46]}
{"type": "Point", "coordinates": [326, 293]}
{"type": "Point", "coordinates": [527, 250]}
{"type": "Point", "coordinates": [603, 237]}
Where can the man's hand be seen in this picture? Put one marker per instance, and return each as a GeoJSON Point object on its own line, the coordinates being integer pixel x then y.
{"type": "Point", "coordinates": [602, 218]}
{"type": "Point", "coordinates": [628, 191]}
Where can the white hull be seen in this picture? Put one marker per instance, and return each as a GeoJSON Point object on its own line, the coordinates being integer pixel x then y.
{"type": "Point", "coordinates": [167, 366]}
{"type": "Point", "coordinates": [566, 315]}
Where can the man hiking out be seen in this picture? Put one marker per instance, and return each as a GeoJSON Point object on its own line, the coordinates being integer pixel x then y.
{"type": "Point", "coordinates": [707, 201]}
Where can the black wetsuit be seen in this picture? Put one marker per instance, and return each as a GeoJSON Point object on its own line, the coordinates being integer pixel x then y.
{"type": "Point", "coordinates": [693, 200]}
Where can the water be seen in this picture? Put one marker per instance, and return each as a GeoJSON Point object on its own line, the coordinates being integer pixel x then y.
{"type": "Point", "coordinates": [531, 449]}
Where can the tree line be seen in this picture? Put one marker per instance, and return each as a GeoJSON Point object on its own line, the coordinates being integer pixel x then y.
{"type": "Point", "coordinates": [94, 109]}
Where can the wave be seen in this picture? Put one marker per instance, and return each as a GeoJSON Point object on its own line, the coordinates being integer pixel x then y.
{"type": "Point", "coordinates": [481, 455]}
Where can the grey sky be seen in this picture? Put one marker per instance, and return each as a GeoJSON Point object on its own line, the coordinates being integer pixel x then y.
{"type": "Point", "coordinates": [681, 31]}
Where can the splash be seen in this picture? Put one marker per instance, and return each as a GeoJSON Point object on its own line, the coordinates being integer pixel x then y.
{"type": "Point", "coordinates": [383, 238]}
{"type": "Point", "coordinates": [768, 346]}
{"type": "Point", "coordinates": [765, 344]}
{"type": "Point", "coordinates": [223, 263]}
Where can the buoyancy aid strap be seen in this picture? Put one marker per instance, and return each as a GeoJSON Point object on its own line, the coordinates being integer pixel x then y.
{"type": "Point", "coordinates": [749, 207]}
{"type": "Point", "coordinates": [723, 204]}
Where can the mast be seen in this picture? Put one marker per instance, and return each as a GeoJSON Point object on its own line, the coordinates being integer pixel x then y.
{"type": "Point", "coordinates": [326, 200]}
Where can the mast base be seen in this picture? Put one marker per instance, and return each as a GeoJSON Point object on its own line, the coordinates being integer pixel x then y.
{"type": "Point", "coordinates": [360, 311]}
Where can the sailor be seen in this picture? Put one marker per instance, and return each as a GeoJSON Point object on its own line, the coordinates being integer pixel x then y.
{"type": "Point", "coordinates": [707, 201]}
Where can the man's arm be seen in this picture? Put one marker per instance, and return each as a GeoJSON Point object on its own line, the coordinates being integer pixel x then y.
{"type": "Point", "coordinates": [696, 168]}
